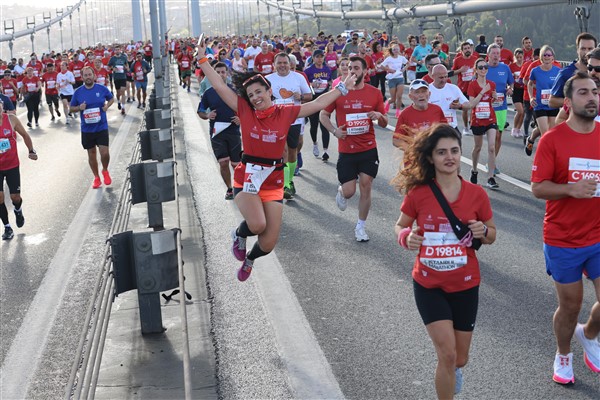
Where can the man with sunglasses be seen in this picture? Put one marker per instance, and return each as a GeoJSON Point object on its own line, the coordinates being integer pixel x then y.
{"type": "Point", "coordinates": [351, 48]}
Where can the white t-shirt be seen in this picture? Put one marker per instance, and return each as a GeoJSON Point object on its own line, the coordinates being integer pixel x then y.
{"type": "Point", "coordinates": [249, 54]}
{"type": "Point", "coordinates": [395, 63]}
{"type": "Point", "coordinates": [444, 97]}
{"type": "Point", "coordinates": [63, 83]}
{"type": "Point", "coordinates": [284, 88]}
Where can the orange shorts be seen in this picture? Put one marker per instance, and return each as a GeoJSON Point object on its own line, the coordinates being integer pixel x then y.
{"type": "Point", "coordinates": [265, 195]}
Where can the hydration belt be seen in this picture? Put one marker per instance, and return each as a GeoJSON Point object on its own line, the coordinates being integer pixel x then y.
{"type": "Point", "coordinates": [278, 163]}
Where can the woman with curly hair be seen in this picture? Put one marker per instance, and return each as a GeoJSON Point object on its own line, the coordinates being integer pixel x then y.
{"type": "Point", "coordinates": [446, 271]}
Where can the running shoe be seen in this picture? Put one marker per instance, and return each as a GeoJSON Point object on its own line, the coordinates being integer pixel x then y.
{"type": "Point", "coordinates": [325, 157]}
{"type": "Point", "coordinates": [129, 100]}
{"type": "Point", "coordinates": [53, 119]}
{"type": "Point", "coordinates": [563, 369]}
{"type": "Point", "coordinates": [292, 188]}
{"type": "Point", "coordinates": [143, 105]}
{"type": "Point", "coordinates": [300, 162]}
{"type": "Point", "coordinates": [8, 233]}
{"type": "Point", "coordinates": [528, 146]}
{"type": "Point", "coordinates": [245, 270]}
{"type": "Point", "coordinates": [184, 85]}
{"type": "Point", "coordinates": [123, 111]}
{"type": "Point", "coordinates": [287, 193]}
{"type": "Point", "coordinates": [506, 125]}
{"type": "Point", "coordinates": [139, 105]}
{"type": "Point", "coordinates": [514, 133]}
{"type": "Point", "coordinates": [398, 111]}
{"type": "Point", "coordinates": [229, 194]}
{"type": "Point", "coordinates": [459, 380]}
{"type": "Point", "coordinates": [188, 89]}
{"type": "Point", "coordinates": [29, 124]}
{"type": "Point", "coordinates": [316, 150]}
{"type": "Point", "coordinates": [20, 218]}
{"type": "Point", "coordinates": [496, 171]}
{"type": "Point", "coordinates": [341, 201]}
{"type": "Point", "coordinates": [67, 121]}
{"type": "Point", "coordinates": [474, 177]}
{"type": "Point", "coordinates": [467, 132]}
{"type": "Point", "coordinates": [97, 183]}
{"type": "Point", "coordinates": [37, 125]}
{"type": "Point", "coordinates": [591, 349]}
{"type": "Point", "coordinates": [58, 113]}
{"type": "Point", "coordinates": [119, 105]}
{"type": "Point", "coordinates": [491, 183]}
{"type": "Point", "coordinates": [238, 247]}
{"type": "Point", "coordinates": [107, 178]}
{"type": "Point", "coordinates": [361, 234]}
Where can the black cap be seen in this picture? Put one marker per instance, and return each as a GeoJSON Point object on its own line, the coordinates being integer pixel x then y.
{"type": "Point", "coordinates": [318, 52]}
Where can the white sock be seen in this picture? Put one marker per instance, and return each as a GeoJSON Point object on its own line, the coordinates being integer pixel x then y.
{"type": "Point", "coordinates": [361, 223]}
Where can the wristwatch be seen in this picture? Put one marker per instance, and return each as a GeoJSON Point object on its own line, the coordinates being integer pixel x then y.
{"type": "Point", "coordinates": [342, 88]}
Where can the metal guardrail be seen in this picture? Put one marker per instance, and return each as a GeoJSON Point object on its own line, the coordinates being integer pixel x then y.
{"type": "Point", "coordinates": [86, 367]}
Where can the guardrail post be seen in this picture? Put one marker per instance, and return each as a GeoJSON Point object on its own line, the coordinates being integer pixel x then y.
{"type": "Point", "coordinates": [154, 184]}
{"type": "Point", "coordinates": [156, 144]}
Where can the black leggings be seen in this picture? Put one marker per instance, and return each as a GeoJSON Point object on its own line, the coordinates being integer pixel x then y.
{"type": "Point", "coordinates": [528, 117]}
{"type": "Point", "coordinates": [33, 107]}
{"type": "Point", "coordinates": [314, 124]}
{"type": "Point", "coordinates": [379, 80]}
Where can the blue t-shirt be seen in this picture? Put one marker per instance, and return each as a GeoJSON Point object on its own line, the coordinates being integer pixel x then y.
{"type": "Point", "coordinates": [502, 76]}
{"type": "Point", "coordinates": [93, 118]}
{"type": "Point", "coordinates": [212, 101]}
{"type": "Point", "coordinates": [419, 53]}
{"type": "Point", "coordinates": [544, 81]}
{"type": "Point", "coordinates": [563, 77]}
{"type": "Point", "coordinates": [8, 104]}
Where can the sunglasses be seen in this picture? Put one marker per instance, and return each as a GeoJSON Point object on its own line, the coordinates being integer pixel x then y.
{"type": "Point", "coordinates": [548, 55]}
{"type": "Point", "coordinates": [254, 79]}
{"type": "Point", "coordinates": [433, 64]}
{"type": "Point", "coordinates": [482, 67]}
{"type": "Point", "coordinates": [594, 68]}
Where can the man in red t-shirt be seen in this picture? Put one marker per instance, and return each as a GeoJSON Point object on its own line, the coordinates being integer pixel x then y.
{"type": "Point", "coordinates": [506, 56]}
{"type": "Point", "coordinates": [358, 156]}
{"type": "Point", "coordinates": [418, 116]}
{"type": "Point", "coordinates": [566, 173]}
{"type": "Point", "coordinates": [184, 59]}
{"type": "Point", "coordinates": [75, 67]}
{"type": "Point", "coordinates": [263, 62]}
{"type": "Point", "coordinates": [51, 90]}
{"type": "Point", "coordinates": [464, 68]}
{"type": "Point", "coordinates": [527, 47]}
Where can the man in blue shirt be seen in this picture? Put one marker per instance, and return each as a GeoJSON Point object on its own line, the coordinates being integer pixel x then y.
{"type": "Point", "coordinates": [585, 42]}
{"type": "Point", "coordinates": [224, 126]}
{"type": "Point", "coordinates": [501, 75]}
{"type": "Point", "coordinates": [92, 100]}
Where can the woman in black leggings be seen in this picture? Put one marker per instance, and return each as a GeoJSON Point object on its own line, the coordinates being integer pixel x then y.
{"type": "Point", "coordinates": [31, 90]}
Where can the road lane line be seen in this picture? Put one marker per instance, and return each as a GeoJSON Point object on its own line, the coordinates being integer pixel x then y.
{"type": "Point", "coordinates": [27, 348]}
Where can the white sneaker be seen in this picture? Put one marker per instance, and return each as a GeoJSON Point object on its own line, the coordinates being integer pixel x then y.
{"type": "Point", "coordinates": [361, 234]}
{"type": "Point", "coordinates": [563, 369]}
{"type": "Point", "coordinates": [467, 132]}
{"type": "Point", "coordinates": [514, 133]}
{"type": "Point", "coordinates": [341, 201]}
{"type": "Point", "coordinates": [591, 349]}
{"type": "Point", "coordinates": [316, 150]}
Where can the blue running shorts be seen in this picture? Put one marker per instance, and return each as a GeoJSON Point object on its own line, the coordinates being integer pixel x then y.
{"type": "Point", "coordinates": [566, 264]}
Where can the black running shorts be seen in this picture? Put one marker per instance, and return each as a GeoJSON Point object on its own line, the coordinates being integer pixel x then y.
{"type": "Point", "coordinates": [293, 137]}
{"type": "Point", "coordinates": [13, 180]}
{"type": "Point", "coordinates": [349, 165]}
{"type": "Point", "coordinates": [91, 140]}
{"type": "Point", "coordinates": [227, 144]}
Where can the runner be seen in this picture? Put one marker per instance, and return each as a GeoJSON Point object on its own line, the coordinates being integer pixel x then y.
{"type": "Point", "coordinates": [263, 62]}
{"type": "Point", "coordinates": [31, 91]}
{"type": "Point", "coordinates": [119, 66]}
{"type": "Point", "coordinates": [51, 90]}
{"type": "Point", "coordinates": [518, 91]}
{"type": "Point", "coordinates": [358, 160]}
{"type": "Point", "coordinates": [93, 100]}
{"type": "Point", "coordinates": [395, 64]}
{"type": "Point", "coordinates": [447, 96]}
{"type": "Point", "coordinates": [224, 130]}
{"type": "Point", "coordinates": [319, 77]}
{"type": "Point", "coordinates": [482, 94]}
{"type": "Point", "coordinates": [419, 54]}
{"type": "Point", "coordinates": [463, 67]}
{"type": "Point", "coordinates": [378, 79]}
{"type": "Point", "coordinates": [65, 80]}
{"type": "Point", "coordinates": [9, 168]}
{"type": "Point", "coordinates": [251, 52]}
{"type": "Point", "coordinates": [446, 287]}
{"type": "Point", "coordinates": [566, 173]}
{"type": "Point", "coordinates": [238, 64]}
{"type": "Point", "coordinates": [140, 69]}
{"type": "Point", "coordinates": [506, 56]}
{"type": "Point", "coordinates": [258, 179]}
{"type": "Point", "coordinates": [290, 87]}
{"type": "Point", "coordinates": [9, 87]}
{"type": "Point", "coordinates": [100, 72]}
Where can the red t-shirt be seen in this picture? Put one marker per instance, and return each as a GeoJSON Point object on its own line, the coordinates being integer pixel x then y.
{"type": "Point", "coordinates": [472, 204]}
{"type": "Point", "coordinates": [466, 77]}
{"type": "Point", "coordinates": [565, 156]}
{"type": "Point", "coordinates": [483, 113]}
{"type": "Point", "coordinates": [445, 48]}
{"type": "Point", "coordinates": [527, 55]}
{"type": "Point", "coordinates": [351, 110]}
{"type": "Point", "coordinates": [412, 121]}
{"type": "Point", "coordinates": [37, 68]}
{"type": "Point", "coordinates": [138, 72]}
{"type": "Point", "coordinates": [98, 53]}
{"type": "Point", "coordinates": [408, 54]}
{"type": "Point", "coordinates": [76, 67]}
{"type": "Point", "coordinates": [370, 66]}
{"type": "Point", "coordinates": [185, 61]}
{"type": "Point", "coordinates": [516, 70]}
{"type": "Point", "coordinates": [9, 158]}
{"type": "Point", "coordinates": [506, 56]}
{"type": "Point", "coordinates": [148, 50]}
{"type": "Point", "coordinates": [265, 138]}
{"type": "Point", "coordinates": [49, 79]}
{"type": "Point", "coordinates": [263, 63]}
{"type": "Point", "coordinates": [101, 76]}
{"type": "Point", "coordinates": [30, 84]}
{"type": "Point", "coordinates": [8, 88]}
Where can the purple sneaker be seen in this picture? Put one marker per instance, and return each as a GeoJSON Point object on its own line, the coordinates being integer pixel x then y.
{"type": "Point", "coordinates": [245, 270]}
{"type": "Point", "coordinates": [239, 246]}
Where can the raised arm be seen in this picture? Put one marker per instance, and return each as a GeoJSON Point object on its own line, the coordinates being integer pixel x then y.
{"type": "Point", "coordinates": [326, 99]}
{"type": "Point", "coordinates": [224, 92]}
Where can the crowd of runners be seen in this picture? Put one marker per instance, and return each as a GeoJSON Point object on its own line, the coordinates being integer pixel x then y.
{"type": "Point", "coordinates": [258, 93]}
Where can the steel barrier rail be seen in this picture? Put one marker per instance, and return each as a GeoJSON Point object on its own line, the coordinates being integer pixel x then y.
{"type": "Point", "coordinates": [15, 35]}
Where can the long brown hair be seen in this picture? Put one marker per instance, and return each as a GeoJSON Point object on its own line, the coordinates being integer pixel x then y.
{"type": "Point", "coordinates": [418, 168]}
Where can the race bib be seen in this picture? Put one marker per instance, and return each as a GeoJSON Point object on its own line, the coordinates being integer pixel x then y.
{"type": "Point", "coordinates": [267, 69]}
{"type": "Point", "coordinates": [482, 110]}
{"type": "Point", "coordinates": [120, 69]}
{"type": "Point", "coordinates": [467, 76]}
{"type": "Point", "coordinates": [9, 92]}
{"type": "Point", "coordinates": [4, 145]}
{"type": "Point", "coordinates": [77, 73]}
{"type": "Point", "coordinates": [220, 127]}
{"type": "Point", "coordinates": [585, 168]}
{"type": "Point", "coordinates": [289, 100]}
{"type": "Point", "coordinates": [545, 96]}
{"type": "Point", "coordinates": [442, 252]}
{"type": "Point", "coordinates": [185, 64]}
{"type": "Point", "coordinates": [449, 117]}
{"type": "Point", "coordinates": [331, 63]}
{"type": "Point", "coordinates": [51, 84]}
{"type": "Point", "coordinates": [101, 80]}
{"type": "Point", "coordinates": [139, 75]}
{"type": "Point", "coordinates": [499, 102]}
{"type": "Point", "coordinates": [91, 115]}
{"type": "Point", "coordinates": [254, 176]}
{"type": "Point", "coordinates": [31, 87]}
{"type": "Point", "coordinates": [357, 124]}
{"type": "Point", "coordinates": [320, 86]}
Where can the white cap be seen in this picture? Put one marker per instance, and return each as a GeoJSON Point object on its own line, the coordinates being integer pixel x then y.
{"type": "Point", "coordinates": [418, 84]}
{"type": "Point", "coordinates": [470, 42]}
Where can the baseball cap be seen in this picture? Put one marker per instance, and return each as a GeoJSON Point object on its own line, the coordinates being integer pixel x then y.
{"type": "Point", "coordinates": [470, 42]}
{"type": "Point", "coordinates": [418, 84]}
{"type": "Point", "coordinates": [318, 52]}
